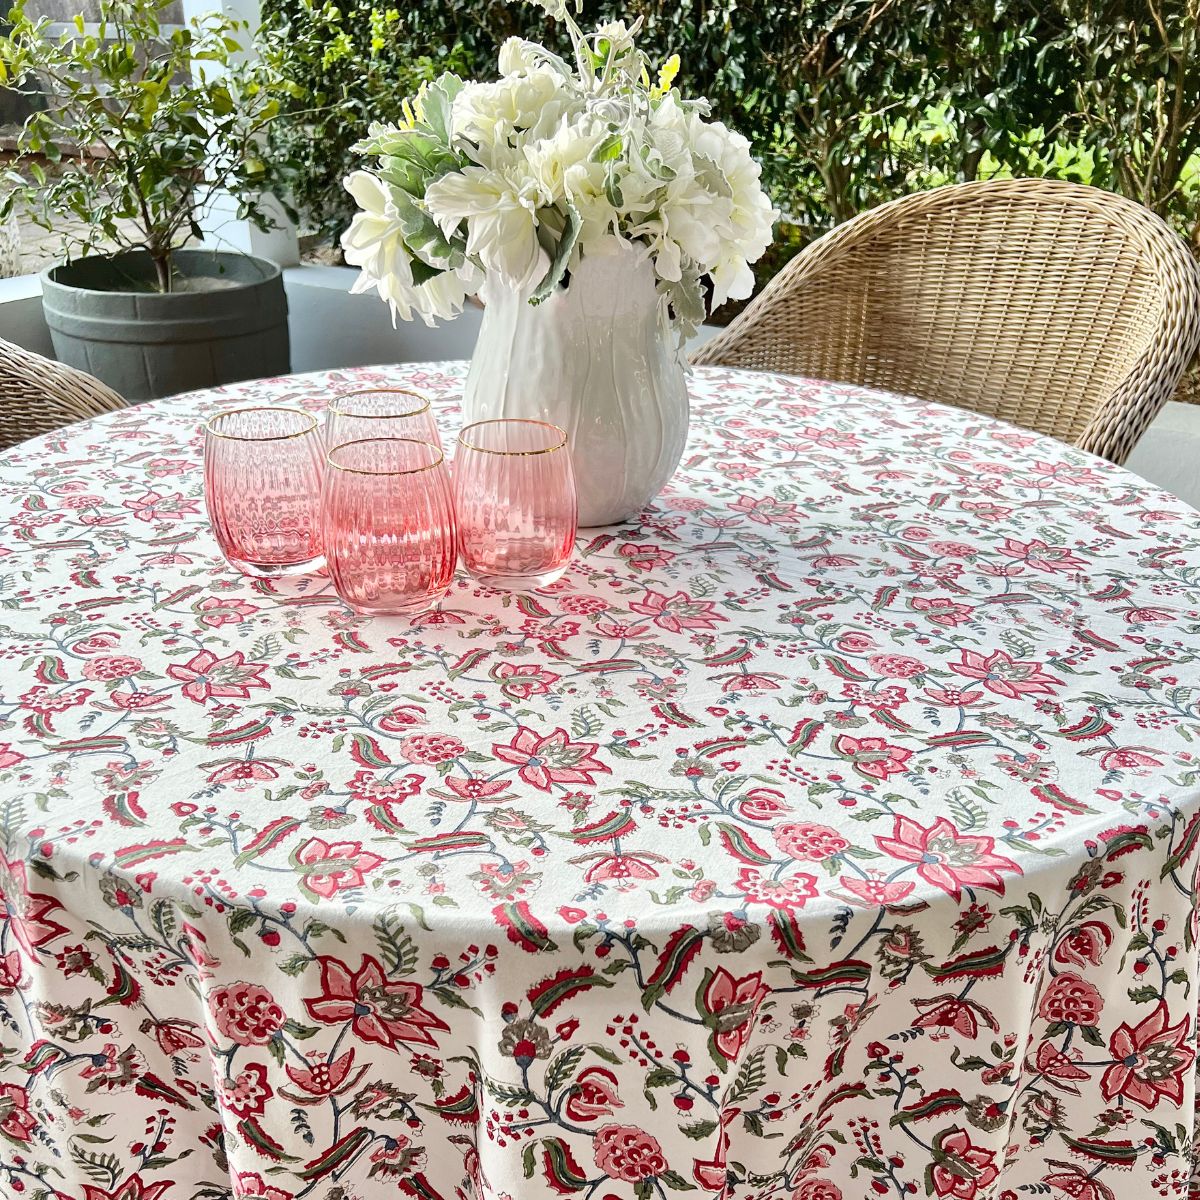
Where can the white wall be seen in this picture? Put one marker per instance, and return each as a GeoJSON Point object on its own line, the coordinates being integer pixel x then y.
{"type": "Point", "coordinates": [21, 319]}
{"type": "Point", "coordinates": [1169, 452]}
{"type": "Point", "coordinates": [331, 328]}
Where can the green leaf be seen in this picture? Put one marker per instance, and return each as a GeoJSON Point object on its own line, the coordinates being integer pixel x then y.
{"type": "Point", "coordinates": [562, 255]}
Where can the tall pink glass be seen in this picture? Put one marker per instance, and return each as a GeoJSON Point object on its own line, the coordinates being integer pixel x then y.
{"type": "Point", "coordinates": [379, 413]}
{"type": "Point", "coordinates": [390, 536]}
{"type": "Point", "coordinates": [514, 489]}
{"type": "Point", "coordinates": [263, 468]}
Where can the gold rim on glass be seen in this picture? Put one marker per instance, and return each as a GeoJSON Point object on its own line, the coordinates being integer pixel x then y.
{"type": "Point", "coordinates": [250, 408]}
{"type": "Point", "coordinates": [422, 407]}
{"type": "Point", "coordinates": [512, 421]}
{"type": "Point", "coordinates": [437, 462]}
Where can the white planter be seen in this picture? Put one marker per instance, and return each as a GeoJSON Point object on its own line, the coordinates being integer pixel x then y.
{"type": "Point", "coordinates": [598, 359]}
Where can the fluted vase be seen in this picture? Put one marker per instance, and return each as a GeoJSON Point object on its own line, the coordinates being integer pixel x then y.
{"type": "Point", "coordinates": [599, 358]}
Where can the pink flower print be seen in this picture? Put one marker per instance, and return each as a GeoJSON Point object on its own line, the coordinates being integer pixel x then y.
{"type": "Point", "coordinates": [733, 1003]}
{"type": "Point", "coordinates": [243, 773]}
{"type": "Point", "coordinates": [645, 556]}
{"type": "Point", "coordinates": [628, 1153]}
{"type": "Point", "coordinates": [431, 748]}
{"type": "Point", "coordinates": [205, 676]}
{"type": "Point", "coordinates": [1042, 557]}
{"type": "Point", "coordinates": [215, 611]}
{"type": "Point", "coordinates": [896, 666]}
{"type": "Point", "coordinates": [519, 681]}
{"type": "Point", "coordinates": [678, 612]}
{"type": "Point", "coordinates": [158, 506]}
{"type": "Point", "coordinates": [791, 892]}
{"type": "Point", "coordinates": [1000, 673]}
{"type": "Point", "coordinates": [1152, 1059]}
{"type": "Point", "coordinates": [246, 1013]}
{"type": "Point", "coordinates": [873, 757]}
{"type": "Point", "coordinates": [333, 867]}
{"type": "Point", "coordinates": [945, 857]}
{"type": "Point", "coordinates": [545, 761]}
{"type": "Point", "coordinates": [388, 1012]}
{"type": "Point", "coordinates": [766, 510]}
{"type": "Point", "coordinates": [941, 610]}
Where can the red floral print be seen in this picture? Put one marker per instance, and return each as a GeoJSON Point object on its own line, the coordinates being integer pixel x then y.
{"type": "Point", "coordinates": [246, 1013]}
{"type": "Point", "coordinates": [1085, 944]}
{"type": "Point", "coordinates": [963, 1170]}
{"type": "Point", "coordinates": [792, 891]}
{"type": "Point", "coordinates": [628, 1153]}
{"type": "Point", "coordinates": [1151, 1060]}
{"type": "Point", "coordinates": [27, 913]}
{"type": "Point", "coordinates": [945, 857]}
{"type": "Point", "coordinates": [733, 1004]}
{"type": "Point", "coordinates": [554, 758]}
{"type": "Point", "coordinates": [133, 1188]}
{"type": "Point", "coordinates": [898, 666]}
{"type": "Point", "coordinates": [246, 1095]}
{"type": "Point", "coordinates": [1005, 676]}
{"type": "Point", "coordinates": [594, 1095]}
{"type": "Point", "coordinates": [520, 681]}
{"type": "Point", "coordinates": [251, 1184]}
{"type": "Point", "coordinates": [805, 841]}
{"type": "Point", "coordinates": [678, 612]}
{"type": "Point", "coordinates": [206, 677]}
{"type": "Point", "coordinates": [431, 748]}
{"type": "Point", "coordinates": [159, 506]}
{"type": "Point", "coordinates": [388, 1012]}
{"type": "Point", "coordinates": [331, 867]}
{"type": "Point", "coordinates": [681, 872]}
{"type": "Point", "coordinates": [1070, 999]}
{"type": "Point", "coordinates": [873, 757]}
{"type": "Point", "coordinates": [16, 1121]}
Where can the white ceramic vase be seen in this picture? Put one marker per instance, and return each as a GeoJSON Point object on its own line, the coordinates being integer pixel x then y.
{"type": "Point", "coordinates": [598, 359]}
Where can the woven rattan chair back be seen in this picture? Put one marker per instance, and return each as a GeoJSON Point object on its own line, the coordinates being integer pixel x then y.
{"type": "Point", "coordinates": [1061, 308]}
{"type": "Point", "coordinates": [38, 396]}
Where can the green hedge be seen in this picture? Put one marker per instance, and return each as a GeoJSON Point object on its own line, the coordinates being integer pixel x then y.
{"type": "Point", "coordinates": [848, 102]}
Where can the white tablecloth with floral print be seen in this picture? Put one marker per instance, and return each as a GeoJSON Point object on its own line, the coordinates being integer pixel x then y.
{"type": "Point", "coordinates": [828, 833]}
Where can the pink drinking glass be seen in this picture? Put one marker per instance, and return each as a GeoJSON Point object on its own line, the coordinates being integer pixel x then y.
{"type": "Point", "coordinates": [379, 413]}
{"type": "Point", "coordinates": [515, 494]}
{"type": "Point", "coordinates": [390, 536]}
{"type": "Point", "coordinates": [263, 468]}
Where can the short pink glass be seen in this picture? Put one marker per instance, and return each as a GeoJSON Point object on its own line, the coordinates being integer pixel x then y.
{"type": "Point", "coordinates": [263, 469]}
{"type": "Point", "coordinates": [390, 536]}
{"type": "Point", "coordinates": [379, 413]}
{"type": "Point", "coordinates": [514, 490]}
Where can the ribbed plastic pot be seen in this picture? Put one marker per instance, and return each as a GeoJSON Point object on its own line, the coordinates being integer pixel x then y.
{"type": "Point", "coordinates": [145, 344]}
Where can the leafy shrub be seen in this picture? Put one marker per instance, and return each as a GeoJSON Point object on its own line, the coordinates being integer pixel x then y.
{"type": "Point", "coordinates": [142, 127]}
{"type": "Point", "coordinates": [344, 65]}
{"type": "Point", "coordinates": [848, 102]}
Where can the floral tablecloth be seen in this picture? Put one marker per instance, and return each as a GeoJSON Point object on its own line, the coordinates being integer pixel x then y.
{"type": "Point", "coordinates": [830, 833]}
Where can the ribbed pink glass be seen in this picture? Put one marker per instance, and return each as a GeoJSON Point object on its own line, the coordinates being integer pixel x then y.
{"type": "Point", "coordinates": [514, 489]}
{"type": "Point", "coordinates": [390, 536]}
{"type": "Point", "coordinates": [379, 413]}
{"type": "Point", "coordinates": [263, 468]}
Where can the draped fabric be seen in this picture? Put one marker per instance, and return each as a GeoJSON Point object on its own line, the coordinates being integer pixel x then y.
{"type": "Point", "coordinates": [828, 833]}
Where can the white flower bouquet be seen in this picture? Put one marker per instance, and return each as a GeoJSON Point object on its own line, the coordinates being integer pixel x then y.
{"type": "Point", "coordinates": [520, 177]}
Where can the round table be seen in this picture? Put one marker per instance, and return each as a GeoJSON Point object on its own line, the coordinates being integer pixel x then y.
{"type": "Point", "coordinates": [829, 833]}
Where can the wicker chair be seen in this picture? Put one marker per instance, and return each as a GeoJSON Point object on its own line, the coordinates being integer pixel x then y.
{"type": "Point", "coordinates": [37, 395]}
{"type": "Point", "coordinates": [1061, 308]}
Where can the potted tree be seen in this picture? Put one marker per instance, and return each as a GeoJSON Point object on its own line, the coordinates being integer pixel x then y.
{"type": "Point", "coordinates": [136, 129]}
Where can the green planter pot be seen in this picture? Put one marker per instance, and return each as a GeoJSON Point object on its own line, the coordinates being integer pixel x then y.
{"type": "Point", "coordinates": [227, 321]}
